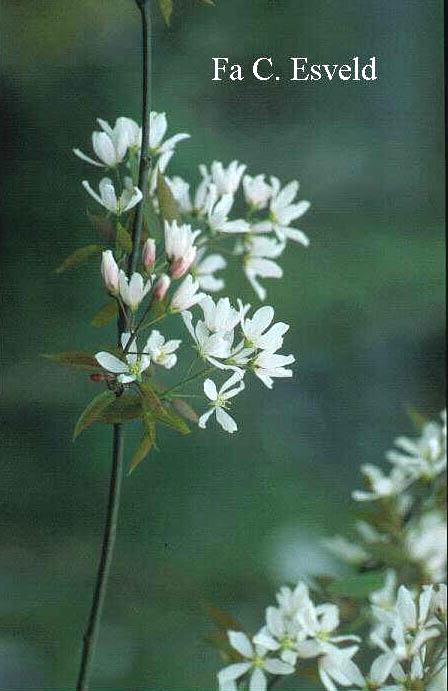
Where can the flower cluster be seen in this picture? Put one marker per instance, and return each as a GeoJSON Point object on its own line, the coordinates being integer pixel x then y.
{"type": "Point", "coordinates": [176, 271]}
{"type": "Point", "coordinates": [406, 624]}
{"type": "Point", "coordinates": [411, 647]}
{"type": "Point", "coordinates": [407, 508]}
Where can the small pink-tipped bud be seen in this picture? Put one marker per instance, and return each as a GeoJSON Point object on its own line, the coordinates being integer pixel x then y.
{"type": "Point", "coordinates": [161, 287]}
{"type": "Point", "coordinates": [110, 272]}
{"type": "Point", "coordinates": [149, 255]}
{"type": "Point", "coordinates": [179, 267]}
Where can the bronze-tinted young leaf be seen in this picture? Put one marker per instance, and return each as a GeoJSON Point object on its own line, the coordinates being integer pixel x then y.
{"type": "Point", "coordinates": [153, 405]}
{"type": "Point", "coordinates": [223, 620]}
{"type": "Point", "coordinates": [122, 409]}
{"type": "Point", "coordinates": [105, 314]}
{"type": "Point", "coordinates": [83, 359]}
{"type": "Point", "coordinates": [146, 443]}
{"type": "Point", "coordinates": [166, 8]}
{"type": "Point", "coordinates": [93, 411]}
{"type": "Point", "coordinates": [78, 257]}
{"type": "Point", "coordinates": [103, 226]}
{"type": "Point", "coordinates": [167, 203]}
{"type": "Point", "coordinates": [185, 409]}
{"type": "Point", "coordinates": [123, 239]}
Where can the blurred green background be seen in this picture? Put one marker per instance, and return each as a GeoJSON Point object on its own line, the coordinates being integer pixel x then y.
{"type": "Point", "coordinates": [211, 519]}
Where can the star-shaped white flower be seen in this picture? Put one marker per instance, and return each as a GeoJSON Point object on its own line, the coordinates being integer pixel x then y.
{"type": "Point", "coordinates": [212, 347]}
{"type": "Point", "coordinates": [131, 368]}
{"type": "Point", "coordinates": [107, 197]}
{"type": "Point", "coordinates": [186, 295]}
{"type": "Point", "coordinates": [133, 290]}
{"type": "Point", "coordinates": [111, 144]}
{"type": "Point", "coordinates": [283, 211]}
{"type": "Point", "coordinates": [259, 333]}
{"type": "Point", "coordinates": [220, 401]}
{"type": "Point", "coordinates": [256, 662]}
{"type": "Point", "coordinates": [162, 352]}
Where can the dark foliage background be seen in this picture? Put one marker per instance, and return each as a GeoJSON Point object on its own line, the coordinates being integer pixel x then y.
{"type": "Point", "coordinates": [218, 520]}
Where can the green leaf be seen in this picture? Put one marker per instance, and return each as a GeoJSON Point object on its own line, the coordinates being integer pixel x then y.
{"type": "Point", "coordinates": [93, 411]}
{"type": "Point", "coordinates": [167, 203]}
{"type": "Point", "coordinates": [103, 226]}
{"type": "Point", "coordinates": [358, 586]}
{"type": "Point", "coordinates": [105, 314]}
{"type": "Point", "coordinates": [123, 239]}
{"type": "Point", "coordinates": [166, 8]}
{"type": "Point", "coordinates": [79, 257]}
{"type": "Point", "coordinates": [153, 406]}
{"type": "Point", "coordinates": [146, 443]}
{"type": "Point", "coordinates": [122, 409]}
{"type": "Point", "coordinates": [417, 418]}
{"type": "Point", "coordinates": [84, 359]}
{"type": "Point", "coordinates": [185, 409]}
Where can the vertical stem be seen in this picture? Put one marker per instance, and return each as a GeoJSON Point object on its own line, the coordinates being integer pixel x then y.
{"type": "Point", "coordinates": [145, 160]}
{"type": "Point", "coordinates": [91, 635]}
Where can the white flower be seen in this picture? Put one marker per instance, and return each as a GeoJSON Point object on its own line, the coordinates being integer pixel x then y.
{"type": "Point", "coordinates": [268, 366]}
{"type": "Point", "coordinates": [227, 180]}
{"type": "Point", "coordinates": [157, 130]}
{"type": "Point", "coordinates": [186, 295]}
{"type": "Point", "coordinates": [110, 272]}
{"type": "Point", "coordinates": [258, 261]}
{"type": "Point", "coordinates": [111, 144]}
{"type": "Point", "coordinates": [424, 457]}
{"type": "Point", "coordinates": [134, 290]}
{"type": "Point", "coordinates": [426, 543]}
{"type": "Point", "coordinates": [256, 663]}
{"type": "Point", "coordinates": [161, 352]}
{"type": "Point", "coordinates": [204, 269]}
{"type": "Point", "coordinates": [181, 193]}
{"type": "Point", "coordinates": [337, 666]}
{"type": "Point", "coordinates": [283, 211]}
{"type": "Point", "coordinates": [179, 247]}
{"type": "Point", "coordinates": [220, 401]}
{"type": "Point", "coordinates": [319, 622]}
{"type": "Point", "coordinates": [211, 346]}
{"type": "Point", "coordinates": [257, 333]}
{"type": "Point", "coordinates": [107, 197]}
{"type": "Point", "coordinates": [281, 634]}
{"type": "Point", "coordinates": [218, 211]}
{"type": "Point", "coordinates": [257, 192]}
{"type": "Point", "coordinates": [290, 601]}
{"type": "Point", "coordinates": [220, 316]}
{"type": "Point", "coordinates": [135, 364]}
{"type": "Point", "coordinates": [381, 485]}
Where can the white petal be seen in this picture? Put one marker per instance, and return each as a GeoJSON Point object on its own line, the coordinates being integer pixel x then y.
{"type": "Point", "coordinates": [203, 419]}
{"type": "Point", "coordinates": [257, 681]}
{"type": "Point", "coordinates": [233, 671]}
{"type": "Point", "coordinates": [210, 389]}
{"type": "Point", "coordinates": [241, 643]}
{"type": "Point", "coordinates": [111, 363]}
{"type": "Point", "coordinates": [277, 666]}
{"type": "Point", "coordinates": [226, 421]}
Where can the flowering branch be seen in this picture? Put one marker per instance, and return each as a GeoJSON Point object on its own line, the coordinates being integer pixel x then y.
{"type": "Point", "coordinates": [91, 635]}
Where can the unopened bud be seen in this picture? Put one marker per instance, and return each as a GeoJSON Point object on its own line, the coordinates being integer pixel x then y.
{"type": "Point", "coordinates": [110, 272]}
{"type": "Point", "coordinates": [149, 254]}
{"type": "Point", "coordinates": [161, 287]}
{"type": "Point", "coordinates": [97, 377]}
{"type": "Point", "coordinates": [179, 267]}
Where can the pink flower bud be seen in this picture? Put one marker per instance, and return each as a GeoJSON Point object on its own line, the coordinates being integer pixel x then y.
{"type": "Point", "coordinates": [180, 266]}
{"type": "Point", "coordinates": [161, 287]}
{"type": "Point", "coordinates": [110, 272]}
{"type": "Point", "coordinates": [149, 254]}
